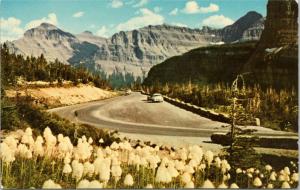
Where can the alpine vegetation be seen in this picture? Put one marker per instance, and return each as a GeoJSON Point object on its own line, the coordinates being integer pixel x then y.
{"type": "Point", "coordinates": [50, 161]}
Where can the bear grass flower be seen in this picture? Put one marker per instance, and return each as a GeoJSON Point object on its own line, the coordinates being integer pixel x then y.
{"type": "Point", "coordinates": [179, 165]}
{"type": "Point", "coordinates": [208, 184]}
{"type": "Point", "coordinates": [95, 185]}
{"type": "Point", "coordinates": [273, 176]}
{"type": "Point", "coordinates": [67, 169]}
{"type": "Point", "coordinates": [38, 149]}
{"type": "Point", "coordinates": [83, 184]}
{"type": "Point", "coordinates": [88, 169]}
{"type": "Point", "coordinates": [104, 170]}
{"type": "Point", "coordinates": [257, 182]}
{"type": "Point", "coordinates": [238, 170]}
{"type": "Point", "coordinates": [223, 186]}
{"type": "Point", "coordinates": [286, 170]}
{"type": "Point", "coordinates": [268, 168]}
{"type": "Point", "coordinates": [270, 186]}
{"type": "Point", "coordinates": [182, 153]}
{"type": "Point", "coordinates": [162, 174]}
{"type": "Point", "coordinates": [186, 177]}
{"type": "Point", "coordinates": [195, 153]}
{"type": "Point", "coordinates": [50, 184]}
{"type": "Point", "coordinates": [101, 141]}
{"type": "Point", "coordinates": [285, 185]}
{"type": "Point", "coordinates": [149, 186]}
{"type": "Point", "coordinates": [116, 172]}
{"type": "Point", "coordinates": [217, 162]}
{"type": "Point", "coordinates": [209, 156]}
{"type": "Point", "coordinates": [83, 150]}
{"type": "Point", "coordinates": [234, 186]}
{"type": "Point", "coordinates": [24, 151]}
{"type": "Point", "coordinates": [11, 142]}
{"type": "Point", "coordinates": [189, 185]}
{"type": "Point", "coordinates": [295, 177]}
{"type": "Point", "coordinates": [128, 180]}
{"type": "Point", "coordinates": [50, 140]}
{"type": "Point", "coordinates": [189, 169]}
{"type": "Point", "coordinates": [77, 170]}
{"type": "Point", "coordinates": [7, 155]}
{"type": "Point", "coordinates": [225, 166]}
{"type": "Point", "coordinates": [172, 171]}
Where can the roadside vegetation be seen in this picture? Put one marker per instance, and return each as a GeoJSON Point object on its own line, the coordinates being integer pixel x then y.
{"type": "Point", "coordinates": [16, 68]}
{"type": "Point", "coordinates": [276, 109]}
{"type": "Point", "coordinates": [53, 161]}
{"type": "Point", "coordinates": [23, 111]}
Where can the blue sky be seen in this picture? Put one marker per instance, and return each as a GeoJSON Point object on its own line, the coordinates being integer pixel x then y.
{"type": "Point", "coordinates": [105, 17]}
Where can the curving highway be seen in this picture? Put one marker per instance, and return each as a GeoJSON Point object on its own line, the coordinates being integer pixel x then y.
{"type": "Point", "coordinates": [133, 114]}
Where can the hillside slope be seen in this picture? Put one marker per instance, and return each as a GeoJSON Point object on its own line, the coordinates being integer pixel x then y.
{"type": "Point", "coordinates": [57, 96]}
{"type": "Point", "coordinates": [203, 65]}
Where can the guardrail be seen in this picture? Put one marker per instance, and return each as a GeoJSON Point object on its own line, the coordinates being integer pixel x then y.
{"type": "Point", "coordinates": [196, 109]}
{"type": "Point", "coordinates": [265, 142]}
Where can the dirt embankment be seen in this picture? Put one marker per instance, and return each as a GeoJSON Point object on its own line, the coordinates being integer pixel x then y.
{"type": "Point", "coordinates": [57, 96]}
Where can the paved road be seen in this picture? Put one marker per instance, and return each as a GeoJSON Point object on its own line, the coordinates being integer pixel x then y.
{"type": "Point", "coordinates": [133, 114]}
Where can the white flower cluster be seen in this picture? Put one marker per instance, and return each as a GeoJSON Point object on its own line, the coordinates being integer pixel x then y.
{"type": "Point", "coordinates": [103, 165]}
{"type": "Point", "coordinates": [285, 178]}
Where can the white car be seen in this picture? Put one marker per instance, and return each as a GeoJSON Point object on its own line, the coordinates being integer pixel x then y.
{"type": "Point", "coordinates": [128, 92]}
{"type": "Point", "coordinates": [157, 98]}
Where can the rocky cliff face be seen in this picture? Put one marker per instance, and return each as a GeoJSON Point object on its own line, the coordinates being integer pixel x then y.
{"type": "Point", "coordinates": [206, 65]}
{"type": "Point", "coordinates": [272, 61]}
{"type": "Point", "coordinates": [254, 31]}
{"type": "Point", "coordinates": [275, 61]}
{"type": "Point", "coordinates": [281, 26]}
{"type": "Point", "coordinates": [132, 51]}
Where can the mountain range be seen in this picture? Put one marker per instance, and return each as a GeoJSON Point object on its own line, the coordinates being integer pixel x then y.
{"type": "Point", "coordinates": [270, 62]}
{"type": "Point", "coordinates": [133, 51]}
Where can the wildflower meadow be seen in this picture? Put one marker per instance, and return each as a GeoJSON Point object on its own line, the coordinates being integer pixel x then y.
{"type": "Point", "coordinates": [50, 161]}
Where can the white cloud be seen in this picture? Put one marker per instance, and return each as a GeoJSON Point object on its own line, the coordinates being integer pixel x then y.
{"type": "Point", "coordinates": [157, 9]}
{"type": "Point", "coordinates": [192, 7]}
{"type": "Point", "coordinates": [146, 17]}
{"type": "Point", "coordinates": [116, 4]}
{"type": "Point", "coordinates": [179, 24]}
{"type": "Point", "coordinates": [103, 32]}
{"type": "Point", "coordinates": [217, 21]}
{"type": "Point", "coordinates": [51, 19]}
{"type": "Point", "coordinates": [141, 3]}
{"type": "Point", "coordinates": [10, 29]}
{"type": "Point", "coordinates": [174, 12]}
{"type": "Point", "coordinates": [78, 14]}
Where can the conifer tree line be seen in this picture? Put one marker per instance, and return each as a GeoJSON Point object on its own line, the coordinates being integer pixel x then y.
{"type": "Point", "coordinates": [39, 69]}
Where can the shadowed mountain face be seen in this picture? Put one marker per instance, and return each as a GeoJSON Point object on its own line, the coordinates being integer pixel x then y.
{"type": "Point", "coordinates": [273, 61]}
{"type": "Point", "coordinates": [131, 51]}
{"type": "Point", "coordinates": [240, 29]}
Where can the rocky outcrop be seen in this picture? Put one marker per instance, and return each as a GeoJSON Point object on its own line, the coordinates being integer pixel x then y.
{"type": "Point", "coordinates": [275, 61]}
{"type": "Point", "coordinates": [281, 26]}
{"type": "Point", "coordinates": [254, 31]}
